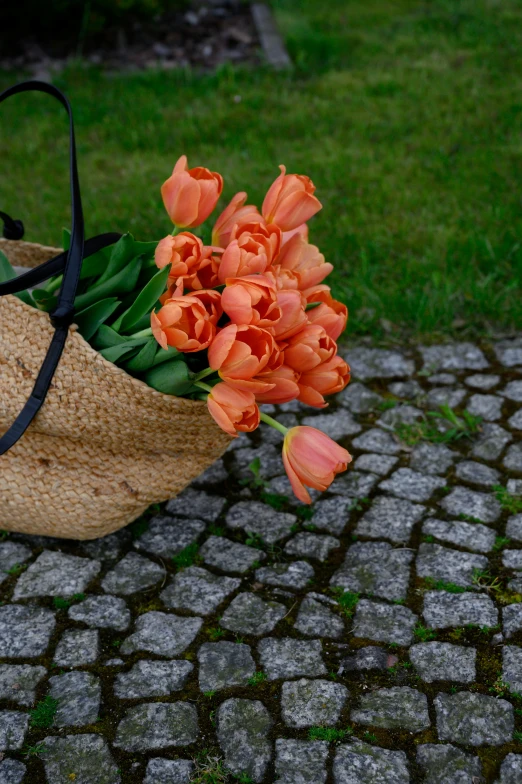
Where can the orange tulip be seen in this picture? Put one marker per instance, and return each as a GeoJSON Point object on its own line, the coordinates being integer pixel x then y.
{"type": "Point", "coordinates": [302, 230]}
{"type": "Point", "coordinates": [290, 201]}
{"type": "Point", "coordinates": [251, 300]}
{"type": "Point", "coordinates": [285, 387]}
{"type": "Point", "coordinates": [190, 195]}
{"type": "Point", "coordinates": [293, 317]}
{"type": "Point", "coordinates": [304, 261]}
{"type": "Point", "coordinates": [237, 213]}
{"type": "Point", "coordinates": [240, 352]}
{"type": "Point", "coordinates": [185, 252]}
{"type": "Point", "coordinates": [183, 322]}
{"type": "Point", "coordinates": [233, 409]}
{"type": "Point", "coordinates": [311, 458]}
{"type": "Point", "coordinates": [267, 237]}
{"type": "Point", "coordinates": [330, 314]}
{"type": "Point", "coordinates": [309, 348]}
{"type": "Point", "coordinates": [204, 275]}
{"type": "Point", "coordinates": [326, 379]}
{"type": "Point", "coordinates": [241, 259]}
{"type": "Point", "coordinates": [211, 300]}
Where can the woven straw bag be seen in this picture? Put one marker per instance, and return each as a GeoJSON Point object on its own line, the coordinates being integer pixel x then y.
{"type": "Point", "coordinates": [103, 446]}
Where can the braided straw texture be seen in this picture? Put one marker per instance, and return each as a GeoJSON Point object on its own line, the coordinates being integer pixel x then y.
{"type": "Point", "coordinates": [104, 445]}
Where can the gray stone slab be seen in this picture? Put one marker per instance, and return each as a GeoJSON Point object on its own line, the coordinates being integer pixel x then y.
{"type": "Point", "coordinates": [107, 548]}
{"type": "Point", "coordinates": [87, 756]}
{"type": "Point", "coordinates": [18, 682]}
{"type": "Point", "coordinates": [248, 614]}
{"type": "Point", "coordinates": [472, 536]}
{"type": "Point", "coordinates": [224, 664]}
{"type": "Point", "coordinates": [162, 633]}
{"type": "Point", "coordinates": [390, 518]}
{"type": "Point", "coordinates": [509, 352]}
{"type": "Point", "coordinates": [412, 485]}
{"type": "Point", "coordinates": [375, 463]}
{"type": "Point", "coordinates": [512, 667]}
{"type": "Point", "coordinates": [269, 461]}
{"type": "Point", "coordinates": [198, 590]}
{"type": "Point", "coordinates": [453, 356]}
{"type": "Point", "coordinates": [337, 424]}
{"type": "Point", "coordinates": [56, 574]}
{"type": "Point", "coordinates": [443, 610]}
{"type": "Point", "coordinates": [316, 620]}
{"type": "Point", "coordinates": [471, 503]}
{"type": "Point", "coordinates": [367, 363]}
{"type": "Point", "coordinates": [308, 545]}
{"type": "Point", "coordinates": [375, 568]}
{"type": "Point", "coordinates": [289, 658]}
{"type": "Point", "coordinates": [77, 647]}
{"type": "Point", "coordinates": [371, 657]}
{"type": "Point", "coordinates": [332, 514]}
{"type": "Point", "coordinates": [432, 459]}
{"type": "Point", "coordinates": [261, 519]}
{"type": "Point", "coordinates": [11, 555]}
{"type": "Point", "coordinates": [243, 727]}
{"type": "Point", "coordinates": [354, 484]}
{"type": "Point", "coordinates": [196, 503]}
{"type": "Point", "coordinates": [489, 407]}
{"type": "Point", "coordinates": [515, 421]}
{"type": "Point", "coordinates": [102, 612]}
{"type": "Point", "coordinates": [491, 442]}
{"type": "Point", "coordinates": [442, 661]}
{"type": "Point", "coordinates": [12, 771]}
{"type": "Point", "coordinates": [512, 559]}
{"type": "Point", "coordinates": [167, 536]}
{"type": "Point", "coordinates": [215, 475]}
{"type": "Point", "coordinates": [280, 485]}
{"type": "Point", "coordinates": [483, 381]}
{"type": "Point", "coordinates": [513, 391]}
{"type": "Point", "coordinates": [306, 703]}
{"type": "Point", "coordinates": [511, 770]}
{"type": "Point", "coordinates": [411, 389]}
{"type": "Point", "coordinates": [477, 473]}
{"type": "Point", "coordinates": [166, 771]}
{"type": "Point", "coordinates": [13, 728]}
{"type": "Point", "coordinates": [295, 575]}
{"type": "Point", "coordinates": [512, 619]}
{"type": "Point", "coordinates": [450, 566]}
{"type": "Point", "coordinates": [445, 396]}
{"type": "Point", "coordinates": [25, 630]}
{"type": "Point", "coordinates": [358, 398]}
{"type": "Point", "coordinates": [442, 378]}
{"type": "Point", "coordinates": [397, 708]}
{"type": "Point", "coordinates": [384, 622]}
{"type": "Point", "coordinates": [474, 719]}
{"type": "Point", "coordinates": [300, 761]}
{"type": "Point", "coordinates": [152, 679]}
{"type": "Point", "coordinates": [78, 695]}
{"type": "Point", "coordinates": [446, 764]}
{"type": "Point", "coordinates": [230, 556]}
{"type": "Point", "coordinates": [403, 414]}
{"type": "Point", "coordinates": [157, 725]}
{"type": "Point", "coordinates": [513, 458]}
{"type": "Point", "coordinates": [361, 763]}
{"type": "Point", "coordinates": [514, 486]}
{"type": "Point", "coordinates": [132, 574]}
{"type": "Point", "coordinates": [377, 440]}
{"type": "Point", "coordinates": [514, 527]}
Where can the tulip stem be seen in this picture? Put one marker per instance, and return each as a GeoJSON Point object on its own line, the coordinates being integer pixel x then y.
{"type": "Point", "coordinates": [145, 333]}
{"type": "Point", "coordinates": [203, 373]}
{"type": "Point", "coordinates": [201, 385]}
{"type": "Point", "coordinates": [274, 423]}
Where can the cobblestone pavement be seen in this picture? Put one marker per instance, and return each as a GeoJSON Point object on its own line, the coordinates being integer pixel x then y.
{"type": "Point", "coordinates": [378, 641]}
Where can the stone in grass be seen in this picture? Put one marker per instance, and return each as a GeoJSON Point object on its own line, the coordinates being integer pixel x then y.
{"type": "Point", "coordinates": [133, 573]}
{"type": "Point", "coordinates": [332, 515]}
{"type": "Point", "coordinates": [509, 352]}
{"type": "Point", "coordinates": [360, 763]}
{"type": "Point", "coordinates": [513, 391]}
{"type": "Point", "coordinates": [12, 554]}
{"type": "Point", "coordinates": [370, 657]}
{"type": "Point", "coordinates": [300, 761]}
{"type": "Point", "coordinates": [78, 695]}
{"type": "Point", "coordinates": [243, 727]}
{"type": "Point", "coordinates": [453, 356]}
{"type": "Point", "coordinates": [445, 396]}
{"type": "Point", "coordinates": [102, 612]}
{"type": "Point", "coordinates": [152, 679]}
{"type": "Point", "coordinates": [77, 647]}
{"type": "Point", "coordinates": [477, 473]}
{"type": "Point", "coordinates": [165, 771]}
{"type": "Point", "coordinates": [399, 415]}
{"type": "Point", "coordinates": [13, 727]}
{"type": "Point", "coordinates": [443, 610]}
{"type": "Point", "coordinates": [366, 363]}
{"type": "Point", "coordinates": [11, 771]}
{"type": "Point", "coordinates": [280, 485]}
{"type": "Point", "coordinates": [512, 559]}
{"type": "Point", "coordinates": [490, 442]}
{"type": "Point", "coordinates": [512, 619]}
{"type": "Point", "coordinates": [162, 633]}
{"type": "Point", "coordinates": [295, 575]}
{"type": "Point", "coordinates": [471, 503]}
{"type": "Point", "coordinates": [269, 461]}
{"type": "Point", "coordinates": [375, 568]}
{"type": "Point", "coordinates": [354, 484]}
{"type": "Point", "coordinates": [25, 630]}
{"type": "Point", "coordinates": [512, 667]}
{"type": "Point", "coordinates": [229, 556]}
{"type": "Point", "coordinates": [514, 486]}
{"type": "Point", "coordinates": [196, 503]}
{"type": "Point", "coordinates": [289, 658]}
{"type": "Point", "coordinates": [306, 703]}
{"type": "Point", "coordinates": [56, 574]}
{"type": "Point", "coordinates": [474, 719]}
{"type": "Point", "coordinates": [261, 519]}
{"type": "Point", "coordinates": [432, 458]}
{"type": "Point", "coordinates": [216, 474]}
{"type": "Point", "coordinates": [157, 725]}
{"type": "Point", "coordinates": [397, 708]}
{"type": "Point", "coordinates": [390, 518]}
{"type": "Point", "coordinates": [441, 661]}
{"type": "Point", "coordinates": [224, 664]}
{"type": "Point", "coordinates": [450, 566]}
{"type": "Point", "coordinates": [308, 545]}
{"type": "Point", "coordinates": [87, 756]}
{"type": "Point", "coordinates": [472, 536]}
{"type": "Point", "coordinates": [446, 764]}
{"type": "Point", "coordinates": [513, 458]}
{"type": "Point", "coordinates": [514, 527]}
{"type": "Point", "coordinates": [19, 681]}
{"type": "Point", "coordinates": [408, 390]}
{"type": "Point", "coordinates": [198, 590]}
{"type": "Point", "coordinates": [315, 620]}
{"type": "Point", "coordinates": [337, 424]}
{"type": "Point", "coordinates": [412, 485]}
{"type": "Point", "coordinates": [377, 440]}
{"type": "Point", "coordinates": [489, 407]}
{"type": "Point", "coordinates": [384, 622]}
{"type": "Point", "coordinates": [248, 614]}
{"type": "Point", "coordinates": [167, 536]}
{"type": "Point", "coordinates": [511, 770]}
{"type": "Point", "coordinates": [358, 398]}
{"type": "Point", "coordinates": [375, 463]}
{"type": "Point", "coordinates": [516, 420]}
{"type": "Point", "coordinates": [482, 381]}
{"type": "Point", "coordinates": [108, 548]}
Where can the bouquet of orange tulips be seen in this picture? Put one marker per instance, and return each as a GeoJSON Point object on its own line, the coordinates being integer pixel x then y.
{"type": "Point", "coordinates": [244, 320]}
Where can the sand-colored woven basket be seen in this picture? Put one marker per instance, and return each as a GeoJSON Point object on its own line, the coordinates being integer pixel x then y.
{"type": "Point", "coordinates": [103, 447]}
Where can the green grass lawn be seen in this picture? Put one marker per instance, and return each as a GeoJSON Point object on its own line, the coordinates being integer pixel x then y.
{"type": "Point", "coordinates": [407, 116]}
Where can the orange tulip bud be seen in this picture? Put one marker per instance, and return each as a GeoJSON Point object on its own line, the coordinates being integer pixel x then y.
{"type": "Point", "coordinates": [237, 213]}
{"type": "Point", "coordinates": [302, 230]}
{"type": "Point", "coordinates": [285, 386]}
{"type": "Point", "coordinates": [290, 201]}
{"type": "Point", "coordinates": [330, 314]}
{"type": "Point", "coordinates": [211, 300]}
{"type": "Point", "coordinates": [267, 237]}
{"type": "Point", "coordinates": [233, 409]}
{"type": "Point", "coordinates": [238, 260]}
{"type": "Point", "coordinates": [183, 322]}
{"type": "Point", "coordinates": [293, 317]}
{"type": "Point", "coordinates": [309, 348]}
{"type": "Point", "coordinates": [311, 458]}
{"type": "Point", "coordinates": [241, 352]}
{"type": "Point", "coordinates": [326, 379]}
{"type": "Point", "coordinates": [190, 195]}
{"type": "Point", "coordinates": [304, 261]}
{"type": "Point", "coordinates": [185, 252]}
{"type": "Point", "coordinates": [251, 300]}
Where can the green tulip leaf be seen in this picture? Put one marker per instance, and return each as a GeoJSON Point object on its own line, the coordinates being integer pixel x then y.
{"type": "Point", "coordinates": [124, 251]}
{"type": "Point", "coordinates": [26, 297]}
{"type": "Point", "coordinates": [44, 300]}
{"type": "Point", "coordinates": [124, 350]}
{"type": "Point", "coordinates": [66, 239]}
{"type": "Point", "coordinates": [6, 270]}
{"type": "Point", "coordinates": [96, 263]}
{"type": "Point", "coordinates": [144, 302]}
{"type": "Point", "coordinates": [143, 361]}
{"type": "Point", "coordinates": [171, 378]}
{"type": "Point", "coordinates": [121, 283]}
{"type": "Point", "coordinates": [166, 354]}
{"type": "Point", "coordinates": [106, 337]}
{"type": "Point", "coordinates": [90, 319]}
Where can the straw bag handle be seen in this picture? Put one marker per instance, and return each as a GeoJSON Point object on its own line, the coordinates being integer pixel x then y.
{"type": "Point", "coordinates": [69, 262]}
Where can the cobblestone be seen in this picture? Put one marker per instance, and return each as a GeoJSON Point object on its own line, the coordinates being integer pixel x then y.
{"type": "Point", "coordinates": [511, 769]}
{"type": "Point", "coordinates": [477, 473]}
{"type": "Point", "coordinates": [384, 622]}
{"type": "Point", "coordinates": [432, 458]}
{"type": "Point", "coordinates": [306, 703]}
{"type": "Point", "coordinates": [248, 614]}
{"type": "Point", "coordinates": [472, 536]}
{"type": "Point", "coordinates": [87, 756]}
{"type": "Point", "coordinates": [512, 667]}
{"type": "Point", "coordinates": [376, 464]}
{"type": "Point", "coordinates": [25, 630]}
{"type": "Point", "coordinates": [454, 356]}
{"type": "Point", "coordinates": [102, 612]}
{"type": "Point", "coordinates": [409, 484]}
{"type": "Point", "coordinates": [167, 536]}
{"type": "Point", "coordinates": [513, 391]}
{"type": "Point", "coordinates": [446, 764]}
{"type": "Point", "coordinates": [442, 661]}
{"type": "Point", "coordinates": [397, 708]}
{"type": "Point", "coordinates": [474, 719]}
{"type": "Point", "coordinates": [289, 658]}
{"type": "Point", "coordinates": [300, 761]}
{"type": "Point", "coordinates": [260, 519]}
{"type": "Point", "coordinates": [132, 574]}
{"type": "Point", "coordinates": [337, 425]}
{"type": "Point", "coordinates": [196, 503]}
{"type": "Point", "coordinates": [450, 566]}
{"type": "Point", "coordinates": [360, 763]}
{"type": "Point", "coordinates": [166, 635]}
{"type": "Point", "coordinates": [359, 399]}
{"type": "Point", "coordinates": [314, 619]}
{"type": "Point", "coordinates": [224, 664]}
{"type": "Point", "coordinates": [198, 590]}
{"type": "Point", "coordinates": [11, 555]}
{"type": "Point", "coordinates": [390, 518]}
{"type": "Point", "coordinates": [77, 647]}
{"type": "Point", "coordinates": [375, 568]}
{"type": "Point", "coordinates": [11, 771]}
{"type": "Point", "coordinates": [78, 695]}
{"type": "Point", "coordinates": [157, 725]}
{"type": "Point", "coordinates": [471, 503]}
{"type": "Point", "coordinates": [18, 682]}
{"type": "Point", "coordinates": [166, 771]}
{"type": "Point", "coordinates": [229, 556]}
{"type": "Point", "coordinates": [367, 363]}
{"type": "Point", "coordinates": [443, 610]}
{"type": "Point", "coordinates": [152, 679]}
{"type": "Point", "coordinates": [306, 545]}
{"type": "Point", "coordinates": [491, 442]}
{"type": "Point", "coordinates": [56, 574]}
{"type": "Point", "coordinates": [243, 727]}
{"type": "Point", "coordinates": [295, 575]}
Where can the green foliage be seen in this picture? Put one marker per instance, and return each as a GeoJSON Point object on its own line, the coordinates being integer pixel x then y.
{"type": "Point", "coordinates": [347, 601]}
{"type": "Point", "coordinates": [145, 301]}
{"type": "Point", "coordinates": [276, 501]}
{"type": "Point", "coordinates": [215, 633]}
{"type": "Point", "coordinates": [441, 585]}
{"type": "Point", "coordinates": [330, 734]}
{"type": "Point", "coordinates": [186, 557]}
{"type": "Point", "coordinates": [17, 569]}
{"type": "Point", "coordinates": [439, 427]}
{"type": "Point", "coordinates": [91, 319]}
{"type": "Point", "coordinates": [517, 735]}
{"type": "Point", "coordinates": [257, 678]}
{"type": "Point", "coordinates": [33, 751]}
{"type": "Point", "coordinates": [43, 714]}
{"type": "Point", "coordinates": [209, 768]}
{"type": "Point", "coordinates": [500, 542]}
{"type": "Point", "coordinates": [254, 540]}
{"type": "Point", "coordinates": [424, 634]}
{"type": "Point", "coordinates": [61, 603]}
{"type": "Point", "coordinates": [370, 737]}
{"type": "Point", "coordinates": [510, 503]}
{"type": "Point", "coordinates": [305, 512]}
{"type": "Point", "coordinates": [171, 378]}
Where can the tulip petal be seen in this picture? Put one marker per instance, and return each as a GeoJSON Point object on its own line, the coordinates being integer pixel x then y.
{"type": "Point", "coordinates": [297, 486]}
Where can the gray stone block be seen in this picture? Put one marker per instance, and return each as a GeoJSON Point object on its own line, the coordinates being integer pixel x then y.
{"type": "Point", "coordinates": [375, 568]}
{"type": "Point", "coordinates": [152, 679]}
{"type": "Point", "coordinates": [248, 614]}
{"type": "Point", "coordinates": [449, 566]}
{"type": "Point", "coordinates": [384, 622]}
{"type": "Point", "coordinates": [316, 620]}
{"type": "Point", "coordinates": [443, 610]}
{"type": "Point", "coordinates": [56, 574]}
{"type": "Point", "coordinates": [198, 590]}
{"type": "Point", "coordinates": [409, 484]}
{"type": "Point", "coordinates": [224, 664]}
{"type": "Point", "coordinates": [157, 725]}
{"type": "Point", "coordinates": [162, 633]}
{"type": "Point", "coordinates": [390, 518]}
{"type": "Point", "coordinates": [229, 556]}
{"type": "Point", "coordinates": [474, 719]}
{"type": "Point", "coordinates": [306, 703]}
{"type": "Point", "coordinates": [472, 536]}
{"type": "Point", "coordinates": [132, 574]}
{"type": "Point", "coordinates": [243, 727]}
{"type": "Point", "coordinates": [361, 763]}
{"type": "Point", "coordinates": [88, 756]}
{"type": "Point", "coordinates": [442, 661]}
{"type": "Point", "coordinates": [300, 761]}
{"type": "Point", "coordinates": [102, 612]}
{"type": "Point", "coordinates": [25, 630]}
{"type": "Point", "coordinates": [397, 708]}
{"type": "Point", "coordinates": [471, 503]}
{"type": "Point", "coordinates": [289, 658]}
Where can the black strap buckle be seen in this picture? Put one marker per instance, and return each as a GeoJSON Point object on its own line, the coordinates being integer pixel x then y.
{"type": "Point", "coordinates": [62, 317]}
{"type": "Point", "coordinates": [13, 229]}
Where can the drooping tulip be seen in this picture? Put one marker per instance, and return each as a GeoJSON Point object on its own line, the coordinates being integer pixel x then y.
{"type": "Point", "coordinates": [286, 387]}
{"type": "Point", "coordinates": [183, 322]}
{"type": "Point", "coordinates": [313, 459]}
{"type": "Point", "coordinates": [235, 410]}
{"type": "Point", "coordinates": [190, 195]}
{"type": "Point", "coordinates": [309, 348]}
{"type": "Point", "coordinates": [326, 379]}
{"type": "Point", "coordinates": [290, 201]}
{"type": "Point", "coordinates": [304, 261]}
{"type": "Point", "coordinates": [236, 213]}
{"type": "Point", "coordinates": [240, 352]}
{"type": "Point", "coordinates": [251, 300]}
{"type": "Point", "coordinates": [330, 314]}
